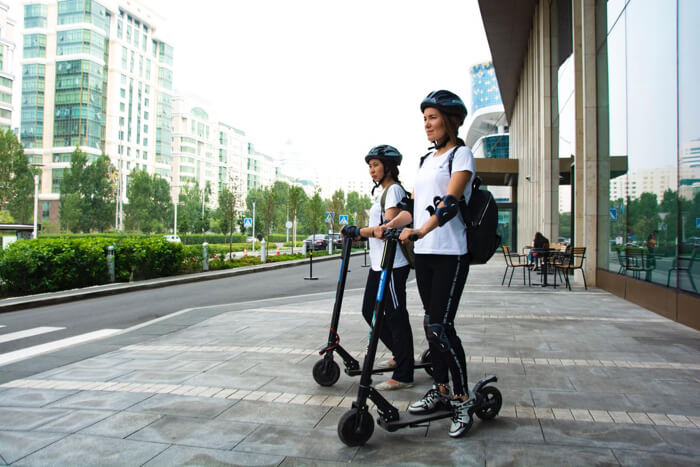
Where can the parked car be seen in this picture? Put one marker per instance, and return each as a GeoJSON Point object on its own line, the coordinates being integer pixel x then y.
{"type": "Point", "coordinates": [337, 240]}
{"type": "Point", "coordinates": [316, 242]}
{"type": "Point", "coordinates": [173, 238]}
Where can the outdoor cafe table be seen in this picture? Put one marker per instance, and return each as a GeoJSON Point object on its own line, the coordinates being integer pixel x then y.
{"type": "Point", "coordinates": [547, 256]}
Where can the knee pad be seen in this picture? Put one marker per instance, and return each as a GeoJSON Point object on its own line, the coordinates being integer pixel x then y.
{"type": "Point", "coordinates": [436, 334]}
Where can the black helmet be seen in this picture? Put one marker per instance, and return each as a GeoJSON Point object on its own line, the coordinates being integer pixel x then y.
{"type": "Point", "coordinates": [384, 153]}
{"type": "Point", "coordinates": [447, 102]}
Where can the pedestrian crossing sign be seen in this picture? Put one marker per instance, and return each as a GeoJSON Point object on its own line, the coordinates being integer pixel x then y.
{"type": "Point", "coordinates": [247, 222]}
{"type": "Point", "coordinates": [329, 217]}
{"type": "Point", "coordinates": [343, 219]}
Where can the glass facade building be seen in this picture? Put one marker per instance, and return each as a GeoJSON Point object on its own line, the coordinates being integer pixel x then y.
{"type": "Point", "coordinates": [649, 113]}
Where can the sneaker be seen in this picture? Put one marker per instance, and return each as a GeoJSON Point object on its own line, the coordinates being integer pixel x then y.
{"type": "Point", "coordinates": [391, 363]}
{"type": "Point", "coordinates": [461, 418]}
{"type": "Point", "coordinates": [432, 400]}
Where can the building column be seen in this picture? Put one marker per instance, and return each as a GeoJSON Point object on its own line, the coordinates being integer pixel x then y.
{"type": "Point", "coordinates": [586, 157]}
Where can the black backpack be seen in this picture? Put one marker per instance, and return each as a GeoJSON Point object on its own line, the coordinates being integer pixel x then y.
{"type": "Point", "coordinates": [481, 218]}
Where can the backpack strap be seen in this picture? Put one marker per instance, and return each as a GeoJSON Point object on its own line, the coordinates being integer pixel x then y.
{"type": "Point", "coordinates": [383, 200]}
{"type": "Point", "coordinates": [450, 157]}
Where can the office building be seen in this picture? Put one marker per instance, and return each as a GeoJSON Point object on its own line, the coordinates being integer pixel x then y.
{"type": "Point", "coordinates": [7, 77]}
{"type": "Point", "coordinates": [95, 75]}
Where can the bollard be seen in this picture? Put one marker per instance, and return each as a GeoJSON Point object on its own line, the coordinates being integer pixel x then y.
{"type": "Point", "coordinates": [110, 263]}
{"type": "Point", "coordinates": [303, 249]}
{"type": "Point", "coordinates": [205, 256]}
{"type": "Point", "coordinates": [365, 255]}
{"type": "Point", "coordinates": [263, 253]}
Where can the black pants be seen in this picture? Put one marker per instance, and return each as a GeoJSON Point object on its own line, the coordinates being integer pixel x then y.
{"type": "Point", "coordinates": [396, 331]}
{"type": "Point", "coordinates": [441, 280]}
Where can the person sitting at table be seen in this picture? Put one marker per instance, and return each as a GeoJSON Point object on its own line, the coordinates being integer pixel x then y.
{"type": "Point", "coordinates": [540, 242]}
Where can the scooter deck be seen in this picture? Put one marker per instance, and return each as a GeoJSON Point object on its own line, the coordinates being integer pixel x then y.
{"type": "Point", "coordinates": [358, 371]}
{"type": "Point", "coordinates": [411, 420]}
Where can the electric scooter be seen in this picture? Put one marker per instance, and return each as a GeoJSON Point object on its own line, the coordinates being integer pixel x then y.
{"type": "Point", "coordinates": [326, 371]}
{"type": "Point", "coordinates": [356, 426]}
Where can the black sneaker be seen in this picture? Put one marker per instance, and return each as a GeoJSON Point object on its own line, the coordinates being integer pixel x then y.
{"type": "Point", "coordinates": [461, 419]}
{"type": "Point", "coordinates": [432, 400]}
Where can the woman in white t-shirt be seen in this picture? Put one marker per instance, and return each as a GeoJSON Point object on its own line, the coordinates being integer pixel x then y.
{"type": "Point", "coordinates": [445, 175]}
{"type": "Point", "coordinates": [396, 334]}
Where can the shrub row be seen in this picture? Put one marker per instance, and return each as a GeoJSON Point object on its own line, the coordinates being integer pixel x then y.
{"type": "Point", "coordinates": [51, 264]}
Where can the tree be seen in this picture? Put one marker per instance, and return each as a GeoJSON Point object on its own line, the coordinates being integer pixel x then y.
{"type": "Point", "coordinates": [16, 179]}
{"type": "Point", "coordinates": [357, 206]}
{"type": "Point", "coordinates": [296, 198]}
{"type": "Point", "coordinates": [95, 194]}
{"type": "Point", "coordinates": [194, 215]}
{"type": "Point", "coordinates": [337, 206]}
{"type": "Point", "coordinates": [226, 212]}
{"type": "Point", "coordinates": [268, 203]}
{"type": "Point", "coordinates": [149, 202]}
{"type": "Point", "coordinates": [315, 212]}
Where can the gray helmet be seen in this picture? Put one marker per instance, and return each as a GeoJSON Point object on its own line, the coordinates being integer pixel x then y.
{"type": "Point", "coordinates": [447, 102]}
{"type": "Point", "coordinates": [384, 153]}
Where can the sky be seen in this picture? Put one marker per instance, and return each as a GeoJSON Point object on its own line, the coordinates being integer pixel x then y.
{"type": "Point", "coordinates": [333, 78]}
{"type": "Point", "coordinates": [323, 80]}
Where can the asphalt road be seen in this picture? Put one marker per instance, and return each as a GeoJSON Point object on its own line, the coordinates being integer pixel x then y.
{"type": "Point", "coordinates": [129, 309]}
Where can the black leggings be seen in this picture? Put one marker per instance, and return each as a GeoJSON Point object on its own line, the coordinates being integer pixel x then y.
{"type": "Point", "coordinates": [441, 280]}
{"type": "Point", "coordinates": [396, 332]}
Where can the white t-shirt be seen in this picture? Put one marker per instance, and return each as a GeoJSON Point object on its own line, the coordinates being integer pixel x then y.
{"type": "Point", "coordinates": [431, 181]}
{"type": "Point", "coordinates": [376, 245]}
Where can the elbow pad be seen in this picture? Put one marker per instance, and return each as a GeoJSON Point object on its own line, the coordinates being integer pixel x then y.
{"type": "Point", "coordinates": [406, 204]}
{"type": "Point", "coordinates": [448, 211]}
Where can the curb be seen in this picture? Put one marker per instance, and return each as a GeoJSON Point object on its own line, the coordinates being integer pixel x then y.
{"type": "Point", "coordinates": [55, 298]}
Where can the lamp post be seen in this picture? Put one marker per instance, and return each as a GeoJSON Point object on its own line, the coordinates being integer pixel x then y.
{"type": "Point", "coordinates": [36, 204]}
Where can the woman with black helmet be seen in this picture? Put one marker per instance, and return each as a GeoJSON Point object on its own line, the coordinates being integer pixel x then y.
{"type": "Point", "coordinates": [383, 164]}
{"type": "Point", "coordinates": [445, 174]}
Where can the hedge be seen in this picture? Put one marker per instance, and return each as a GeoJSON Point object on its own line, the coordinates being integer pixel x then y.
{"type": "Point", "coordinates": [51, 264]}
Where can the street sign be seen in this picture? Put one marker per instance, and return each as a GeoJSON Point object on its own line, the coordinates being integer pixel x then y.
{"type": "Point", "coordinates": [329, 217]}
{"type": "Point", "coordinates": [697, 222]}
{"type": "Point", "coordinates": [343, 219]}
{"type": "Point", "coordinates": [288, 224]}
{"type": "Point", "coordinates": [613, 214]}
{"type": "Point", "coordinates": [248, 222]}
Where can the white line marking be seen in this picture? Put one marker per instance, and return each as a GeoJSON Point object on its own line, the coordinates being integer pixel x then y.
{"type": "Point", "coordinates": [27, 333]}
{"type": "Point", "coordinates": [22, 354]}
{"type": "Point", "coordinates": [2, 325]}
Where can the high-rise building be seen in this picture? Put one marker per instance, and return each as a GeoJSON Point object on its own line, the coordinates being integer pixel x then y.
{"type": "Point", "coordinates": [206, 151]}
{"type": "Point", "coordinates": [7, 78]}
{"type": "Point", "coordinates": [95, 76]}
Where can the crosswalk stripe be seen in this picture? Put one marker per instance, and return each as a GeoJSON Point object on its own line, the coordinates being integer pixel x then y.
{"type": "Point", "coordinates": [27, 333]}
{"type": "Point", "coordinates": [29, 352]}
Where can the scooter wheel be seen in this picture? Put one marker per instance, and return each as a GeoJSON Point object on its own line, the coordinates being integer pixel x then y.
{"type": "Point", "coordinates": [491, 401]}
{"type": "Point", "coordinates": [425, 358]}
{"type": "Point", "coordinates": [353, 433]}
{"type": "Point", "coordinates": [326, 373]}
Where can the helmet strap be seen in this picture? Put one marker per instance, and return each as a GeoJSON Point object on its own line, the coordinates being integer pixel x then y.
{"type": "Point", "coordinates": [437, 145]}
{"type": "Point", "coordinates": [379, 183]}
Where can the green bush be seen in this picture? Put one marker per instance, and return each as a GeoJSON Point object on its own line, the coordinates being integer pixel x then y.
{"type": "Point", "coordinates": [51, 264]}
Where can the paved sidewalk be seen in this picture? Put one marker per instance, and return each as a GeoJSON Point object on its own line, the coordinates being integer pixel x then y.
{"type": "Point", "coordinates": [587, 379]}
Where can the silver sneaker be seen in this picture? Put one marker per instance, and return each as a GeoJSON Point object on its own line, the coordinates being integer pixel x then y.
{"type": "Point", "coordinates": [461, 419]}
{"type": "Point", "coordinates": [432, 400]}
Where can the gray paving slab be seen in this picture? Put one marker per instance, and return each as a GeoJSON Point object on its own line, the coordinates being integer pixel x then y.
{"type": "Point", "coordinates": [535, 455]}
{"type": "Point", "coordinates": [156, 376]}
{"type": "Point", "coordinates": [75, 421]}
{"type": "Point", "coordinates": [306, 416]}
{"type": "Point", "coordinates": [21, 397]}
{"type": "Point", "coordinates": [185, 406]}
{"type": "Point", "coordinates": [505, 429]}
{"type": "Point", "coordinates": [639, 437]}
{"type": "Point", "coordinates": [218, 378]}
{"type": "Point", "coordinates": [103, 400]}
{"type": "Point", "coordinates": [15, 445]}
{"type": "Point", "coordinates": [406, 447]}
{"type": "Point", "coordinates": [653, 459]}
{"type": "Point", "coordinates": [90, 374]}
{"type": "Point", "coordinates": [181, 455]}
{"type": "Point", "coordinates": [28, 418]}
{"type": "Point", "coordinates": [583, 400]}
{"type": "Point", "coordinates": [121, 424]}
{"type": "Point", "coordinates": [81, 449]}
{"type": "Point", "coordinates": [297, 442]}
{"type": "Point", "coordinates": [682, 440]}
{"type": "Point", "coordinates": [215, 434]}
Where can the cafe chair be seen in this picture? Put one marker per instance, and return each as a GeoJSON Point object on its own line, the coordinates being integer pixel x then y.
{"type": "Point", "coordinates": [514, 261]}
{"type": "Point", "coordinates": [568, 263]}
{"type": "Point", "coordinates": [688, 267]}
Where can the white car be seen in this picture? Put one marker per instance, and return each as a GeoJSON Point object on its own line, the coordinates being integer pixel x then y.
{"type": "Point", "coordinates": [173, 238]}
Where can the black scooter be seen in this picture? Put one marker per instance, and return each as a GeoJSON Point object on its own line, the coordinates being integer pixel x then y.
{"type": "Point", "coordinates": [326, 371]}
{"type": "Point", "coordinates": [356, 426]}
